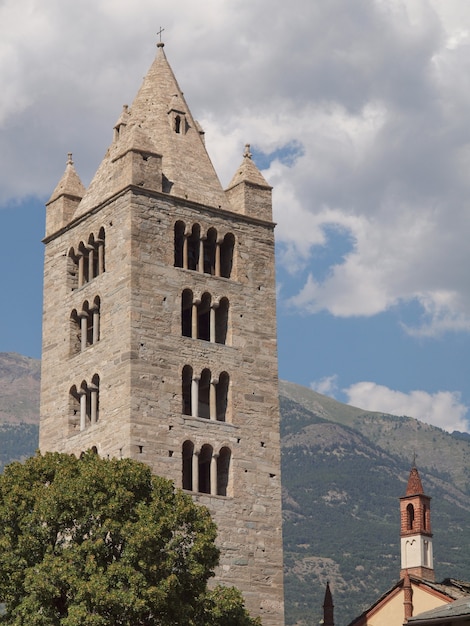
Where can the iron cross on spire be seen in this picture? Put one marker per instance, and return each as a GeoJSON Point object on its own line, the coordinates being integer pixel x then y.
{"type": "Point", "coordinates": [160, 33]}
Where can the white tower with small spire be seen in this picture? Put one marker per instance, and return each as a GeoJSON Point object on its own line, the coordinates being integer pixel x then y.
{"type": "Point", "coordinates": [159, 327]}
{"type": "Point", "coordinates": [415, 530]}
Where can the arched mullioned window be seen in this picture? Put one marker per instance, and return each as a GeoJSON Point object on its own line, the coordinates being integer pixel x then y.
{"type": "Point", "coordinates": [100, 244]}
{"type": "Point", "coordinates": [204, 395]}
{"type": "Point", "coordinates": [72, 269]}
{"type": "Point", "coordinates": [188, 451]}
{"type": "Point", "coordinates": [83, 268]}
{"type": "Point", "coordinates": [187, 391]}
{"type": "Point", "coordinates": [94, 331]}
{"type": "Point", "coordinates": [74, 409]}
{"type": "Point", "coordinates": [425, 521]}
{"type": "Point", "coordinates": [222, 390]}
{"type": "Point", "coordinates": [410, 516]}
{"type": "Point", "coordinates": [206, 471]}
{"type": "Point", "coordinates": [94, 388]}
{"type": "Point", "coordinates": [193, 248]}
{"type": "Point", "coordinates": [180, 251]}
{"type": "Point", "coordinates": [92, 258]}
{"type": "Point", "coordinates": [84, 404]}
{"type": "Point", "coordinates": [204, 319]}
{"type": "Point", "coordinates": [226, 255]}
{"type": "Point", "coordinates": [205, 253]}
{"type": "Point", "coordinates": [210, 246]}
{"type": "Point", "coordinates": [221, 321]}
{"type": "Point", "coordinates": [186, 313]}
{"type": "Point", "coordinates": [86, 261]}
{"type": "Point", "coordinates": [75, 332]}
{"type": "Point", "coordinates": [85, 325]}
{"type": "Point", "coordinates": [223, 471]}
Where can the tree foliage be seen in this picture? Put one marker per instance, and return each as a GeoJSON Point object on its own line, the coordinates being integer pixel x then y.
{"type": "Point", "coordinates": [95, 542]}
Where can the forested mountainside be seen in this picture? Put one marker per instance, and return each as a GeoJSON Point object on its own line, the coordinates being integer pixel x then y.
{"type": "Point", "coordinates": [20, 378]}
{"type": "Point", "coordinates": [343, 472]}
{"type": "Point", "coordinates": [342, 478]}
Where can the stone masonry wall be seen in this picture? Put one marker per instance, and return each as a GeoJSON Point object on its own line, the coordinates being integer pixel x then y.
{"type": "Point", "coordinates": [140, 358]}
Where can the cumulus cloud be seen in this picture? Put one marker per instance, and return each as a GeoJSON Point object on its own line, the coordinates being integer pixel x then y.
{"type": "Point", "coordinates": [443, 408]}
{"type": "Point", "coordinates": [375, 95]}
{"type": "Point", "coordinates": [328, 385]}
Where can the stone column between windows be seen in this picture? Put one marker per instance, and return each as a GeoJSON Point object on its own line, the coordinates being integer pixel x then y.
{"type": "Point", "coordinates": [217, 257]}
{"type": "Point", "coordinates": [214, 306]}
{"type": "Point", "coordinates": [100, 247]}
{"type": "Point", "coordinates": [195, 472]}
{"type": "Point", "coordinates": [81, 276]}
{"type": "Point", "coordinates": [213, 398]}
{"type": "Point", "coordinates": [83, 315]}
{"type": "Point", "coordinates": [214, 474]}
{"type": "Point", "coordinates": [82, 394]}
{"type": "Point", "coordinates": [200, 264]}
{"type": "Point", "coordinates": [91, 261]}
{"type": "Point", "coordinates": [185, 251]}
{"type": "Point", "coordinates": [93, 403]}
{"type": "Point", "coordinates": [96, 324]}
{"type": "Point", "coordinates": [195, 396]}
{"type": "Point", "coordinates": [194, 318]}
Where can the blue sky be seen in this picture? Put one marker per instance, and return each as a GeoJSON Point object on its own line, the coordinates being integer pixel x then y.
{"type": "Point", "coordinates": [357, 113]}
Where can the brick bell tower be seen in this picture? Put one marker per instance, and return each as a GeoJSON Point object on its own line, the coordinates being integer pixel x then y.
{"type": "Point", "coordinates": [415, 530]}
{"type": "Point", "coordinates": [159, 327]}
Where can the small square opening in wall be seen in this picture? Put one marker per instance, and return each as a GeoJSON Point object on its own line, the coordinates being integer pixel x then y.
{"type": "Point", "coordinates": [170, 453]}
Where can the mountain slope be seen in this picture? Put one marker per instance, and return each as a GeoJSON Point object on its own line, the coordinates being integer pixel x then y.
{"type": "Point", "coordinates": [341, 512]}
{"type": "Point", "coordinates": [17, 442]}
{"type": "Point", "coordinates": [343, 471]}
{"type": "Point", "coordinates": [19, 388]}
{"type": "Point", "coordinates": [435, 449]}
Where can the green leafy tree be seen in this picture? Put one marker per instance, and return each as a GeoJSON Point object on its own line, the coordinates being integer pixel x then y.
{"type": "Point", "coordinates": [95, 542]}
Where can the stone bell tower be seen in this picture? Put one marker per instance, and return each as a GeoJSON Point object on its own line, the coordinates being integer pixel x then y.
{"type": "Point", "coordinates": [159, 329]}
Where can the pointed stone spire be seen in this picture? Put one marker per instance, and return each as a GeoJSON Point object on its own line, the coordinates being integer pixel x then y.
{"type": "Point", "coordinates": [248, 172]}
{"type": "Point", "coordinates": [161, 120]}
{"type": "Point", "coordinates": [415, 486]}
{"type": "Point", "coordinates": [70, 183]}
{"type": "Point", "coordinates": [328, 607]}
{"type": "Point", "coordinates": [248, 191]}
{"type": "Point", "coordinates": [64, 199]}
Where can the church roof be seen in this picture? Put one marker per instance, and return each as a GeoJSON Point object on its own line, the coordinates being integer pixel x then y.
{"type": "Point", "coordinates": [414, 487]}
{"type": "Point", "coordinates": [458, 608]}
{"type": "Point", "coordinates": [449, 588]}
{"type": "Point", "coordinates": [70, 183]}
{"type": "Point", "coordinates": [160, 122]}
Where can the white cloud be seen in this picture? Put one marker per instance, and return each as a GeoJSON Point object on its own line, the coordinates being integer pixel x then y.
{"type": "Point", "coordinates": [328, 386]}
{"type": "Point", "coordinates": [443, 408]}
{"type": "Point", "coordinates": [376, 93]}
